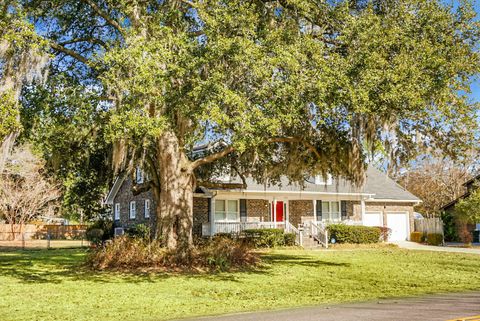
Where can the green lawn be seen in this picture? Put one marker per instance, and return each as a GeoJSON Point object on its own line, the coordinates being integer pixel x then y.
{"type": "Point", "coordinates": [52, 285]}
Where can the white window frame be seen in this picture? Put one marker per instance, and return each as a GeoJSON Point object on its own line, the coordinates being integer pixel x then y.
{"type": "Point", "coordinates": [116, 212]}
{"type": "Point", "coordinates": [327, 216]}
{"type": "Point", "coordinates": [146, 208]}
{"type": "Point", "coordinates": [320, 180]}
{"type": "Point", "coordinates": [139, 175]}
{"type": "Point", "coordinates": [133, 210]}
{"type": "Point", "coordinates": [226, 212]}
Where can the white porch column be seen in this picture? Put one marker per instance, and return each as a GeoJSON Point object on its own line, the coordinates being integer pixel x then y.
{"type": "Point", "coordinates": [362, 206]}
{"type": "Point", "coordinates": [212, 217]}
{"type": "Point", "coordinates": [275, 212]}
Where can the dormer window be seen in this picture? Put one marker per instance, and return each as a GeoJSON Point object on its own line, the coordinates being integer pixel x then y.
{"type": "Point", "coordinates": [323, 180]}
{"type": "Point", "coordinates": [139, 176]}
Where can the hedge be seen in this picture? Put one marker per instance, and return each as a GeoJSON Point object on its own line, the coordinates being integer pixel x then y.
{"type": "Point", "coordinates": [268, 237]}
{"type": "Point", "coordinates": [416, 237]}
{"type": "Point", "coordinates": [354, 234]}
{"type": "Point", "coordinates": [434, 239]}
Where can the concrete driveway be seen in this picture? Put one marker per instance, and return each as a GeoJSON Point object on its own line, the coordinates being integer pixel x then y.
{"type": "Point", "coordinates": [461, 306]}
{"type": "Point", "coordinates": [422, 247]}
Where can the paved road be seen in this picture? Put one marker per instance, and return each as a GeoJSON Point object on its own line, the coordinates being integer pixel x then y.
{"type": "Point", "coordinates": [432, 308]}
{"type": "Point", "coordinates": [418, 246]}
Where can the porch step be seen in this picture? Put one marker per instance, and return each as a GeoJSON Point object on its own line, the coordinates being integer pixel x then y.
{"type": "Point", "coordinates": [309, 243]}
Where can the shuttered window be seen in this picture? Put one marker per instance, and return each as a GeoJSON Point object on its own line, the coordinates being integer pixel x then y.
{"type": "Point", "coordinates": [147, 209]}
{"type": "Point", "coordinates": [227, 211]}
{"type": "Point", "coordinates": [133, 210]}
{"type": "Point", "coordinates": [117, 211]}
{"type": "Point", "coordinates": [329, 211]}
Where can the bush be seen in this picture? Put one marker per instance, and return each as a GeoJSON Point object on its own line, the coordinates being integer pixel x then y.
{"type": "Point", "coordinates": [416, 237]}
{"type": "Point", "coordinates": [289, 239]}
{"type": "Point", "coordinates": [94, 235]}
{"type": "Point", "coordinates": [268, 237]}
{"type": "Point", "coordinates": [385, 233]}
{"type": "Point", "coordinates": [133, 253]}
{"type": "Point", "coordinates": [434, 239]}
{"type": "Point", "coordinates": [141, 231]}
{"type": "Point", "coordinates": [354, 234]}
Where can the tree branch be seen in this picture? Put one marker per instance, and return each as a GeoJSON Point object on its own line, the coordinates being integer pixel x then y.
{"type": "Point", "coordinates": [91, 40]}
{"type": "Point", "coordinates": [105, 16]}
{"type": "Point", "coordinates": [212, 157]}
{"type": "Point", "coordinates": [69, 52]}
{"type": "Point", "coordinates": [140, 188]}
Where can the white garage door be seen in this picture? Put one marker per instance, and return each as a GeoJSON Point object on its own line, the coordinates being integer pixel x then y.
{"type": "Point", "coordinates": [373, 219]}
{"type": "Point", "coordinates": [398, 223]}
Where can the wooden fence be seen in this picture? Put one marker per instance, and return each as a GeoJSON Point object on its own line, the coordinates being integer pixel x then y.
{"type": "Point", "coordinates": [429, 225]}
{"type": "Point", "coordinates": [13, 232]}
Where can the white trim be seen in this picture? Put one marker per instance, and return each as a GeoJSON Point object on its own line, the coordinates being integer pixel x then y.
{"type": "Point", "coordinates": [116, 212]}
{"type": "Point", "coordinates": [132, 214]}
{"type": "Point", "coordinates": [362, 209]}
{"type": "Point", "coordinates": [114, 190]}
{"type": "Point", "coordinates": [146, 208]}
{"type": "Point", "coordinates": [407, 219]}
{"type": "Point", "coordinates": [389, 200]}
{"type": "Point", "coordinates": [226, 209]}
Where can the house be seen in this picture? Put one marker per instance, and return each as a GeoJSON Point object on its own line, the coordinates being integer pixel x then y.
{"type": "Point", "coordinates": [474, 229]}
{"type": "Point", "coordinates": [380, 202]}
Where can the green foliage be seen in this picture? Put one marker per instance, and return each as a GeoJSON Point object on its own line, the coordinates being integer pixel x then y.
{"type": "Point", "coordinates": [417, 237]}
{"type": "Point", "coordinates": [354, 234]}
{"type": "Point", "coordinates": [9, 114]}
{"type": "Point", "coordinates": [434, 239]}
{"type": "Point", "coordinates": [468, 209]}
{"type": "Point", "coordinates": [449, 226]}
{"type": "Point", "coordinates": [289, 239]}
{"type": "Point", "coordinates": [100, 231]}
{"type": "Point", "coordinates": [141, 231]}
{"type": "Point", "coordinates": [261, 238]}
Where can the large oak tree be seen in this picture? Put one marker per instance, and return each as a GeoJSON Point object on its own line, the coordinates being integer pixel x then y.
{"type": "Point", "coordinates": [290, 87]}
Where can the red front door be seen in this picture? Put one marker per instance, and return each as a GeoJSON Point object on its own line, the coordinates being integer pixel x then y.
{"type": "Point", "coordinates": [279, 212]}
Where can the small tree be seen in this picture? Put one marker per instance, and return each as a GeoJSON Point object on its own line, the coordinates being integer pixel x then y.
{"type": "Point", "coordinates": [468, 212]}
{"type": "Point", "coordinates": [25, 192]}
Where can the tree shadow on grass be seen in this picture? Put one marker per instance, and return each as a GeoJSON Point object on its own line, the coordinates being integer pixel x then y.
{"type": "Point", "coordinates": [59, 265]}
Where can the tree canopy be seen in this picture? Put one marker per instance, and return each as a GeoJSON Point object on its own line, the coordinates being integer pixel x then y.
{"type": "Point", "coordinates": [291, 87]}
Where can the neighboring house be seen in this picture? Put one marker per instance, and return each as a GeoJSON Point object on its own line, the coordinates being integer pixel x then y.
{"type": "Point", "coordinates": [381, 202]}
{"type": "Point", "coordinates": [470, 185]}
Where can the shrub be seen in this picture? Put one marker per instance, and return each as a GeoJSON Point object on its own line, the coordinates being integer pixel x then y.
{"type": "Point", "coordinates": [268, 237]}
{"type": "Point", "coordinates": [464, 234]}
{"type": "Point", "coordinates": [434, 239]}
{"type": "Point", "coordinates": [141, 231]}
{"type": "Point", "coordinates": [133, 253]}
{"type": "Point", "coordinates": [416, 237]}
{"type": "Point", "coordinates": [354, 233]}
{"type": "Point", "coordinates": [289, 239]}
{"type": "Point", "coordinates": [96, 237]}
{"type": "Point", "coordinates": [385, 233]}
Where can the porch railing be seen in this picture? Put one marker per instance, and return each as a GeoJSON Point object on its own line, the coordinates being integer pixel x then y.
{"type": "Point", "coordinates": [237, 227]}
{"type": "Point", "coordinates": [319, 233]}
{"type": "Point", "coordinates": [289, 228]}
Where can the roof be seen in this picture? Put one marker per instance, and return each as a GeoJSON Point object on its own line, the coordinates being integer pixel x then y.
{"type": "Point", "coordinates": [377, 185]}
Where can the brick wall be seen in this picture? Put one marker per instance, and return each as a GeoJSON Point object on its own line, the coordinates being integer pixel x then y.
{"type": "Point", "coordinates": [258, 210]}
{"type": "Point", "coordinates": [200, 214]}
{"type": "Point", "coordinates": [299, 208]}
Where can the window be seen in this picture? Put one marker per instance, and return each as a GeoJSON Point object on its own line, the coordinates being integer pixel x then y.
{"type": "Point", "coordinates": [321, 180]}
{"type": "Point", "coordinates": [133, 210]}
{"type": "Point", "coordinates": [117, 211]}
{"type": "Point", "coordinates": [227, 211]}
{"type": "Point", "coordinates": [139, 175]}
{"type": "Point", "coordinates": [331, 211]}
{"type": "Point", "coordinates": [147, 208]}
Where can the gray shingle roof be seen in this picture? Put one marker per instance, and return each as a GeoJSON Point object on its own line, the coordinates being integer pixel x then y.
{"type": "Point", "coordinates": [376, 183]}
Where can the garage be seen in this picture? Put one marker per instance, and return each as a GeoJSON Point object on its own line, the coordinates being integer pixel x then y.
{"type": "Point", "coordinates": [398, 223]}
{"type": "Point", "coordinates": [373, 219]}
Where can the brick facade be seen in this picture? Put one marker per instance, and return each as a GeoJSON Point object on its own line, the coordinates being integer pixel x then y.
{"type": "Point", "coordinates": [258, 210]}
{"type": "Point", "coordinates": [125, 196]}
{"type": "Point", "coordinates": [298, 209]}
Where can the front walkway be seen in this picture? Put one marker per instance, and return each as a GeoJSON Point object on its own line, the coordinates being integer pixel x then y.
{"type": "Point", "coordinates": [418, 246]}
{"type": "Point", "coordinates": [458, 306]}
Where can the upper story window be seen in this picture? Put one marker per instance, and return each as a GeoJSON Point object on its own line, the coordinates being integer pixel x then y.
{"type": "Point", "coordinates": [227, 211]}
{"type": "Point", "coordinates": [331, 211]}
{"type": "Point", "coordinates": [117, 211]}
{"type": "Point", "coordinates": [139, 175]}
{"type": "Point", "coordinates": [323, 180]}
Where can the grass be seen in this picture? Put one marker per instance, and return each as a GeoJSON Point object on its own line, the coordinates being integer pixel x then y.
{"type": "Point", "coordinates": [53, 285]}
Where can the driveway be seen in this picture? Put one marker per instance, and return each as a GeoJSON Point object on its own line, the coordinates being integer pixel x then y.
{"type": "Point", "coordinates": [422, 247]}
{"type": "Point", "coordinates": [441, 307]}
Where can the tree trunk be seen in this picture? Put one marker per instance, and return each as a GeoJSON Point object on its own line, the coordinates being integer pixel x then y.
{"type": "Point", "coordinates": [174, 209]}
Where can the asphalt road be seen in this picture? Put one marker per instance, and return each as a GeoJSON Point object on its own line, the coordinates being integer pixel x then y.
{"type": "Point", "coordinates": [462, 306]}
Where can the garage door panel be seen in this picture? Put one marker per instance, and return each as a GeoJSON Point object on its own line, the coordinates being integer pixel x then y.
{"type": "Point", "coordinates": [398, 223]}
{"type": "Point", "coordinates": [373, 219]}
